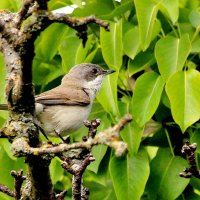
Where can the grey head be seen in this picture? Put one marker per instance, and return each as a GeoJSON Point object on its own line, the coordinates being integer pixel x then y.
{"type": "Point", "coordinates": [88, 76]}
{"type": "Point", "coordinates": [88, 71]}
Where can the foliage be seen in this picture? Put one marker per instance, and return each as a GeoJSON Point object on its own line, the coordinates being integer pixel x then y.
{"type": "Point", "coordinates": [154, 46]}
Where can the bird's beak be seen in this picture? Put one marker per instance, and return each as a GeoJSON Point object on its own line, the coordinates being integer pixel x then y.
{"type": "Point", "coordinates": [106, 72]}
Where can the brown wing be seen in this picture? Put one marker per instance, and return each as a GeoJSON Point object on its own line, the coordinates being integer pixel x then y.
{"type": "Point", "coordinates": [64, 96]}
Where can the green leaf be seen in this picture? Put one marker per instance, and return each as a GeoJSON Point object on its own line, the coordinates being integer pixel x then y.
{"type": "Point", "coordinates": [164, 182]}
{"type": "Point", "coordinates": [50, 40]}
{"type": "Point", "coordinates": [183, 90]}
{"type": "Point", "coordinates": [68, 51]}
{"type": "Point", "coordinates": [171, 54]}
{"type": "Point", "coordinates": [131, 42]}
{"type": "Point", "coordinates": [98, 152]}
{"type": "Point", "coordinates": [194, 138]}
{"type": "Point", "coordinates": [196, 46]}
{"type": "Point", "coordinates": [91, 55]}
{"type": "Point", "coordinates": [82, 52]}
{"type": "Point", "coordinates": [97, 8]}
{"type": "Point", "coordinates": [146, 11]}
{"type": "Point", "coordinates": [129, 175]}
{"type": "Point", "coordinates": [111, 44]}
{"type": "Point", "coordinates": [171, 9]}
{"type": "Point", "coordinates": [11, 5]}
{"type": "Point", "coordinates": [45, 72]}
{"type": "Point", "coordinates": [107, 96]}
{"type": "Point", "coordinates": [100, 192]}
{"type": "Point", "coordinates": [195, 18]}
{"type": "Point", "coordinates": [6, 165]}
{"type": "Point", "coordinates": [132, 135]}
{"type": "Point", "coordinates": [56, 4]}
{"type": "Point", "coordinates": [119, 11]}
{"type": "Point", "coordinates": [5, 144]}
{"type": "Point", "coordinates": [56, 174]}
{"type": "Point", "coordinates": [146, 96]}
{"type": "Point", "coordinates": [142, 61]}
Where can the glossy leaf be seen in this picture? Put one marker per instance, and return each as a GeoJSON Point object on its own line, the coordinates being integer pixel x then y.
{"type": "Point", "coordinates": [45, 71]}
{"type": "Point", "coordinates": [82, 52]}
{"type": "Point", "coordinates": [131, 42]}
{"type": "Point", "coordinates": [55, 175]}
{"type": "Point", "coordinates": [56, 4]}
{"type": "Point", "coordinates": [119, 11]}
{"type": "Point", "coordinates": [50, 40]}
{"type": "Point", "coordinates": [103, 192]}
{"type": "Point", "coordinates": [7, 165]}
{"type": "Point", "coordinates": [132, 135]}
{"type": "Point", "coordinates": [10, 5]}
{"type": "Point", "coordinates": [183, 90]}
{"type": "Point", "coordinates": [194, 138]}
{"type": "Point", "coordinates": [97, 8]}
{"type": "Point", "coordinates": [170, 8]}
{"type": "Point", "coordinates": [129, 175]}
{"type": "Point", "coordinates": [195, 18]}
{"type": "Point", "coordinates": [146, 11]}
{"type": "Point", "coordinates": [196, 46]}
{"type": "Point", "coordinates": [142, 61]}
{"type": "Point", "coordinates": [171, 54]}
{"type": "Point", "coordinates": [164, 182]}
{"type": "Point", "coordinates": [107, 96]}
{"type": "Point", "coordinates": [146, 96]}
{"type": "Point", "coordinates": [99, 151]}
{"type": "Point", "coordinates": [68, 50]}
{"type": "Point", "coordinates": [111, 44]}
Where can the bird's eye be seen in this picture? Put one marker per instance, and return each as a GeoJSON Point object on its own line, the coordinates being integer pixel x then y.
{"type": "Point", "coordinates": [94, 71]}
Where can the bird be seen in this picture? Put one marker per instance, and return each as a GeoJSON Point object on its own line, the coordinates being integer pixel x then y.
{"type": "Point", "coordinates": [63, 109]}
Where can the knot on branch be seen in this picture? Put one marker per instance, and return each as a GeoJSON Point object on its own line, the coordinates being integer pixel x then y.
{"type": "Point", "coordinates": [92, 126]}
{"type": "Point", "coordinates": [189, 150]}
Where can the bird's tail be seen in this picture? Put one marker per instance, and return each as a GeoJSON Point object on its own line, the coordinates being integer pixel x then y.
{"type": "Point", "coordinates": [3, 107]}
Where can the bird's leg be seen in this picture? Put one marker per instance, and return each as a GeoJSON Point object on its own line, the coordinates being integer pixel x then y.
{"type": "Point", "coordinates": [42, 131]}
{"type": "Point", "coordinates": [57, 132]}
{"type": "Point", "coordinates": [37, 123]}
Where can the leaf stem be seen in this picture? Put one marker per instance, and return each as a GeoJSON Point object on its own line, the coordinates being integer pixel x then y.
{"type": "Point", "coordinates": [169, 141]}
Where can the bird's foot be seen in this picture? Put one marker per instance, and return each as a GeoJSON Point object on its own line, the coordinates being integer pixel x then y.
{"type": "Point", "coordinates": [65, 140]}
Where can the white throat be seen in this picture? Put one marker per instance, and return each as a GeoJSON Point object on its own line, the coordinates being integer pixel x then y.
{"type": "Point", "coordinates": [94, 86]}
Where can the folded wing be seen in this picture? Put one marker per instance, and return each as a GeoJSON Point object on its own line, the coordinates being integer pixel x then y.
{"type": "Point", "coordinates": [64, 96]}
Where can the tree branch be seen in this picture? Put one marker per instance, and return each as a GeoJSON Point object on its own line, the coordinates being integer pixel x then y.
{"type": "Point", "coordinates": [24, 12]}
{"type": "Point", "coordinates": [6, 190]}
{"type": "Point", "coordinates": [109, 137]}
{"type": "Point", "coordinates": [189, 150]}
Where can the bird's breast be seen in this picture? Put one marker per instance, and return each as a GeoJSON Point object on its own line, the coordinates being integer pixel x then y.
{"type": "Point", "coordinates": [64, 119]}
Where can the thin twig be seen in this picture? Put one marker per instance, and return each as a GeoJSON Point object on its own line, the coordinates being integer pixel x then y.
{"type": "Point", "coordinates": [6, 190]}
{"type": "Point", "coordinates": [80, 25]}
{"type": "Point", "coordinates": [19, 178]}
{"type": "Point", "coordinates": [74, 22]}
{"type": "Point", "coordinates": [61, 195]}
{"type": "Point", "coordinates": [24, 12]}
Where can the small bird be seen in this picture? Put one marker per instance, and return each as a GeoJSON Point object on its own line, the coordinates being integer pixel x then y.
{"type": "Point", "coordinates": [63, 109]}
